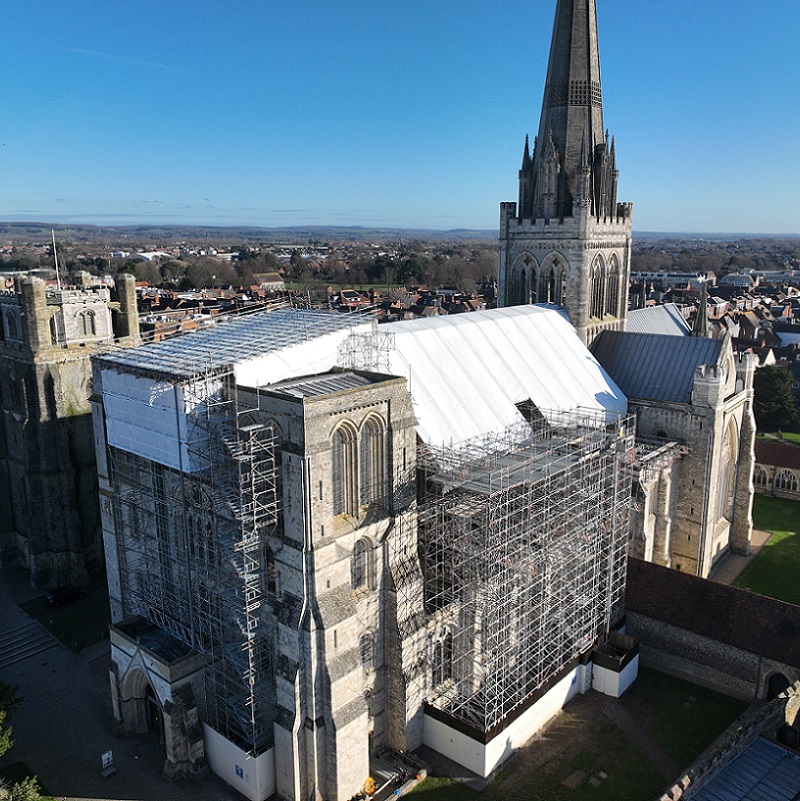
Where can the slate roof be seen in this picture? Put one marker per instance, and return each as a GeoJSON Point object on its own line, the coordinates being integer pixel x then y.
{"type": "Point", "coordinates": [764, 772]}
{"type": "Point", "coordinates": [727, 614]}
{"type": "Point", "coordinates": [666, 319]}
{"type": "Point", "coordinates": [778, 454]}
{"type": "Point", "coordinates": [656, 366]}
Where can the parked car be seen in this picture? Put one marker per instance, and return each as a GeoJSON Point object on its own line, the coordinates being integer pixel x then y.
{"type": "Point", "coordinates": [64, 595]}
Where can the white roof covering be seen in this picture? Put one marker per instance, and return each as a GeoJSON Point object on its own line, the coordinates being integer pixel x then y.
{"type": "Point", "coordinates": [467, 372]}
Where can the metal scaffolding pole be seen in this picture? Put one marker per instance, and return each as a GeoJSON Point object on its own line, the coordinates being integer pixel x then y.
{"type": "Point", "coordinates": [523, 540]}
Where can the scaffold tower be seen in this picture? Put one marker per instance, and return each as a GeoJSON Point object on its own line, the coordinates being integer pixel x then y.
{"type": "Point", "coordinates": [523, 540]}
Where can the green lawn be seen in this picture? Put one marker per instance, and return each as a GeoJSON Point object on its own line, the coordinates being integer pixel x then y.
{"type": "Point", "coordinates": [774, 572]}
{"type": "Point", "coordinates": [682, 718]}
{"type": "Point", "coordinates": [786, 436]}
{"type": "Point", "coordinates": [78, 624]}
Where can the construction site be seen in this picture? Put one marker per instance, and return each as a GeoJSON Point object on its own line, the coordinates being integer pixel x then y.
{"type": "Point", "coordinates": [469, 580]}
{"type": "Point", "coordinates": [196, 545]}
{"type": "Point", "coordinates": [523, 539]}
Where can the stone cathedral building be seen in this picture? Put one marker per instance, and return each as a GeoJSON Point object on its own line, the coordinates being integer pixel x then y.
{"type": "Point", "coordinates": [567, 241]}
{"type": "Point", "coordinates": [328, 541]}
{"type": "Point", "coordinates": [48, 479]}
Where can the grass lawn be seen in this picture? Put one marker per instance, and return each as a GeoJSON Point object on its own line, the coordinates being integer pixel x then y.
{"type": "Point", "coordinates": [77, 625]}
{"type": "Point", "coordinates": [583, 744]}
{"type": "Point", "coordinates": [775, 570]}
{"type": "Point", "coordinates": [683, 719]}
{"type": "Point", "coordinates": [18, 771]}
{"type": "Point", "coordinates": [786, 436]}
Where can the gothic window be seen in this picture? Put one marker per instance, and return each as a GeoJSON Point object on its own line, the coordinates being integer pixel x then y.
{"type": "Point", "coordinates": [269, 558]}
{"type": "Point", "coordinates": [760, 477]}
{"type": "Point", "coordinates": [345, 477]}
{"type": "Point", "coordinates": [359, 566]}
{"type": "Point", "coordinates": [786, 480]}
{"type": "Point", "coordinates": [727, 475]}
{"type": "Point", "coordinates": [612, 296]}
{"type": "Point", "coordinates": [523, 288]}
{"type": "Point", "coordinates": [442, 668]}
{"type": "Point", "coordinates": [598, 290]}
{"type": "Point", "coordinates": [366, 647]}
{"type": "Point", "coordinates": [372, 462]}
{"type": "Point", "coordinates": [12, 325]}
{"type": "Point", "coordinates": [86, 324]}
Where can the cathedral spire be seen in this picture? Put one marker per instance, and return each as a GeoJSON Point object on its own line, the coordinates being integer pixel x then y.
{"type": "Point", "coordinates": [572, 107]}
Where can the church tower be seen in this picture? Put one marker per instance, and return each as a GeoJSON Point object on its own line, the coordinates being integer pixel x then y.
{"type": "Point", "coordinates": [568, 241]}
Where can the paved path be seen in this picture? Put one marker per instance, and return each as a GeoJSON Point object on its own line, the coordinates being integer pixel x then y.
{"type": "Point", "coordinates": [63, 726]}
{"type": "Point", "coordinates": [731, 565]}
{"type": "Point", "coordinates": [639, 738]}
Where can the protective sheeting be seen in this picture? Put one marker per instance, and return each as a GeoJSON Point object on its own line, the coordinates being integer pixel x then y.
{"type": "Point", "coordinates": [467, 372]}
{"type": "Point", "coordinates": [318, 354]}
{"type": "Point", "coordinates": [148, 418]}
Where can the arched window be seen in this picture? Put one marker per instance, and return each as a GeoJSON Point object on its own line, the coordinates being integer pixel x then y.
{"type": "Point", "coordinates": [372, 472]}
{"type": "Point", "coordinates": [786, 480]}
{"type": "Point", "coordinates": [86, 325]}
{"type": "Point", "coordinates": [598, 290]}
{"type": "Point", "coordinates": [612, 295]}
{"type": "Point", "coordinates": [271, 572]}
{"type": "Point", "coordinates": [345, 478]}
{"type": "Point", "coordinates": [12, 325]}
{"type": "Point", "coordinates": [760, 477]}
{"type": "Point", "coordinates": [366, 647]}
{"type": "Point", "coordinates": [359, 566]}
{"type": "Point", "coordinates": [727, 475]}
{"type": "Point", "coordinates": [523, 287]}
{"type": "Point", "coordinates": [442, 668]}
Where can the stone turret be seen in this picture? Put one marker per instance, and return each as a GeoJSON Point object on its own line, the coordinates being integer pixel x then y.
{"type": "Point", "coordinates": [126, 321]}
{"type": "Point", "coordinates": [35, 315]}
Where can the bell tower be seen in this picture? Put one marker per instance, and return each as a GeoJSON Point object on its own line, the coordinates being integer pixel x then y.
{"type": "Point", "coordinates": [567, 240]}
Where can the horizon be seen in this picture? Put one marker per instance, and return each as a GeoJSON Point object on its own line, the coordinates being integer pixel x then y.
{"type": "Point", "coordinates": [381, 116]}
{"type": "Point", "coordinates": [388, 229]}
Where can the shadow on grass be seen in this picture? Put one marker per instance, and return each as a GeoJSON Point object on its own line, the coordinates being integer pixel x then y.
{"type": "Point", "coordinates": [77, 625]}
{"type": "Point", "coordinates": [583, 756]}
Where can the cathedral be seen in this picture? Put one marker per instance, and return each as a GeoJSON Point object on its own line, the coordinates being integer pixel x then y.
{"type": "Point", "coordinates": [567, 240]}
{"type": "Point", "coordinates": [331, 543]}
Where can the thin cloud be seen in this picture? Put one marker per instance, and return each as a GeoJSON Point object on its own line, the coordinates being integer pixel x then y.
{"type": "Point", "coordinates": [133, 62]}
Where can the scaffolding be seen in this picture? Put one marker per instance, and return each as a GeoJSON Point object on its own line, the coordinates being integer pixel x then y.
{"type": "Point", "coordinates": [523, 540]}
{"type": "Point", "coordinates": [193, 549]}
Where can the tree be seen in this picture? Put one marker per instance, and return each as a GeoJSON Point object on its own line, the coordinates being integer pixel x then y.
{"type": "Point", "coordinates": [9, 701]}
{"type": "Point", "coordinates": [27, 789]}
{"type": "Point", "coordinates": [774, 404]}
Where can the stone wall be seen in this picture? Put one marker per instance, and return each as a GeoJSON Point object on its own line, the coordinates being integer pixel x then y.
{"type": "Point", "coordinates": [731, 640]}
{"type": "Point", "coordinates": [48, 480]}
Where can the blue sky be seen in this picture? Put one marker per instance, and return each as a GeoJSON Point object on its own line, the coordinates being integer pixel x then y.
{"type": "Point", "coordinates": [409, 113]}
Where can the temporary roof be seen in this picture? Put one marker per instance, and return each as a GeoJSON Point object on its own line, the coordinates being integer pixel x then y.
{"type": "Point", "coordinates": [227, 344]}
{"type": "Point", "coordinates": [466, 373]}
